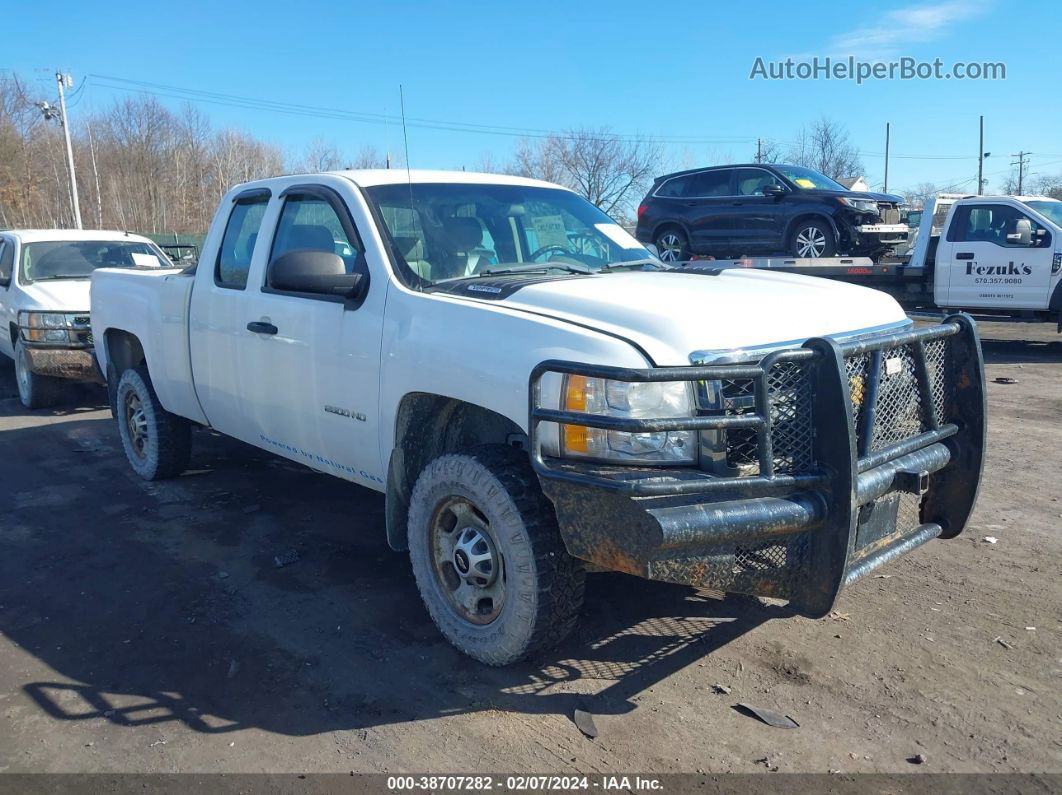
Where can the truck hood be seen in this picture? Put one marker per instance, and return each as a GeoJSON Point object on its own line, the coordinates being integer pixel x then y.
{"type": "Point", "coordinates": [671, 315]}
{"type": "Point", "coordinates": [61, 295]}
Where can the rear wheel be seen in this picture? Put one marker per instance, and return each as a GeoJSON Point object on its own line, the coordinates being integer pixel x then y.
{"type": "Point", "coordinates": [672, 245]}
{"type": "Point", "coordinates": [35, 391]}
{"type": "Point", "coordinates": [812, 239]}
{"type": "Point", "coordinates": [488, 557]}
{"type": "Point", "coordinates": [157, 443]}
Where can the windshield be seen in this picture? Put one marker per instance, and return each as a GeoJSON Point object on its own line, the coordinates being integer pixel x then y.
{"type": "Point", "coordinates": [76, 259]}
{"type": "Point", "coordinates": [459, 231]}
{"type": "Point", "coordinates": [808, 179]}
{"type": "Point", "coordinates": [1052, 210]}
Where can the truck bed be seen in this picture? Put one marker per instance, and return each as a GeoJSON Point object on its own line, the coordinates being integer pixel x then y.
{"type": "Point", "coordinates": [151, 305]}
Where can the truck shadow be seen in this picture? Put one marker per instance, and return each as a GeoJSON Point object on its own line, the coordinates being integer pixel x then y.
{"type": "Point", "coordinates": [1000, 350]}
{"type": "Point", "coordinates": [164, 604]}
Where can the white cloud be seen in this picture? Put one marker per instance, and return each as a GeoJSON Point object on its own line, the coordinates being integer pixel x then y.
{"type": "Point", "coordinates": [903, 26]}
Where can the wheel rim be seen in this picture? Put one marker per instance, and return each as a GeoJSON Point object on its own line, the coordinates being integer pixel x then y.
{"type": "Point", "coordinates": [467, 566]}
{"type": "Point", "coordinates": [811, 242]}
{"type": "Point", "coordinates": [22, 375]}
{"type": "Point", "coordinates": [670, 247]}
{"type": "Point", "coordinates": [136, 424]}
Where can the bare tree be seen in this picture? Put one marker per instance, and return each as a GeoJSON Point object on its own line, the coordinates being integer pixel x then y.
{"type": "Point", "coordinates": [319, 156]}
{"type": "Point", "coordinates": [770, 151]}
{"type": "Point", "coordinates": [369, 157]}
{"type": "Point", "coordinates": [827, 148]}
{"type": "Point", "coordinates": [918, 196]}
{"type": "Point", "coordinates": [611, 172]}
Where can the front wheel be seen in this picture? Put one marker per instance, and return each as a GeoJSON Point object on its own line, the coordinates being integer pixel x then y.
{"type": "Point", "coordinates": [488, 557]}
{"type": "Point", "coordinates": [672, 245]}
{"type": "Point", "coordinates": [35, 391]}
{"type": "Point", "coordinates": [812, 239]}
{"type": "Point", "coordinates": [157, 443]}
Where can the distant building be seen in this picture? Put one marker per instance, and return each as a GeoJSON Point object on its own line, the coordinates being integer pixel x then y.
{"type": "Point", "coordinates": [855, 183]}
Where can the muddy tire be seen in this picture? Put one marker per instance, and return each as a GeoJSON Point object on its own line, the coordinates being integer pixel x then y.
{"type": "Point", "coordinates": [488, 557]}
{"type": "Point", "coordinates": [157, 443]}
{"type": "Point", "coordinates": [36, 391]}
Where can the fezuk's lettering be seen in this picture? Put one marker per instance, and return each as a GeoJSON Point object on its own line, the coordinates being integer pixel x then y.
{"type": "Point", "coordinates": [1010, 269]}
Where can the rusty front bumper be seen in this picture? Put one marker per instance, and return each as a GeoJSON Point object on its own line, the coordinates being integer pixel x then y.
{"type": "Point", "coordinates": [75, 364]}
{"type": "Point", "coordinates": [895, 430]}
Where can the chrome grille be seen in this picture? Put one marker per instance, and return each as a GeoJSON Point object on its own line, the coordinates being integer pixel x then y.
{"type": "Point", "coordinates": [889, 214]}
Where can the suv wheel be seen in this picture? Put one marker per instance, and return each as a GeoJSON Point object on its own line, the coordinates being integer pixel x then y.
{"type": "Point", "coordinates": [812, 239]}
{"type": "Point", "coordinates": [488, 557]}
{"type": "Point", "coordinates": [672, 245]}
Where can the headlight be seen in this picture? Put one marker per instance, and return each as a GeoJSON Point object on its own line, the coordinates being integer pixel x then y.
{"type": "Point", "coordinates": [862, 205]}
{"type": "Point", "coordinates": [48, 326]}
{"type": "Point", "coordinates": [631, 400]}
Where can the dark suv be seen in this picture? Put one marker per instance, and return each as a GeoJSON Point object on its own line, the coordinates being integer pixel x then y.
{"type": "Point", "coordinates": [731, 211]}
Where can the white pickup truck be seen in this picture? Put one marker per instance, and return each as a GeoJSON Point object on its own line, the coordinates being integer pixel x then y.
{"type": "Point", "coordinates": [44, 303]}
{"type": "Point", "coordinates": [537, 397]}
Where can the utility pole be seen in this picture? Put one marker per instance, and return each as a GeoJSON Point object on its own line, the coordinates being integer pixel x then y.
{"type": "Point", "coordinates": [981, 159]}
{"type": "Point", "coordinates": [759, 150]}
{"type": "Point", "coordinates": [1023, 157]}
{"type": "Point", "coordinates": [66, 80]}
{"type": "Point", "coordinates": [886, 188]}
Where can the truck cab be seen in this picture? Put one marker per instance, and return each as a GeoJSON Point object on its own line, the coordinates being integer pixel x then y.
{"type": "Point", "coordinates": [44, 303]}
{"type": "Point", "coordinates": [998, 253]}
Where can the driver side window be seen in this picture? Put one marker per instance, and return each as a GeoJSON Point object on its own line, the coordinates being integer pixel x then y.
{"type": "Point", "coordinates": [1000, 224]}
{"type": "Point", "coordinates": [7, 261]}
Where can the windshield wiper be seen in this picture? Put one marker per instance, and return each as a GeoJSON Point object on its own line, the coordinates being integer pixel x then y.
{"type": "Point", "coordinates": [639, 264]}
{"type": "Point", "coordinates": [567, 267]}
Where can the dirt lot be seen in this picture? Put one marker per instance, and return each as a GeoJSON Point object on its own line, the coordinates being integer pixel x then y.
{"type": "Point", "coordinates": [145, 627]}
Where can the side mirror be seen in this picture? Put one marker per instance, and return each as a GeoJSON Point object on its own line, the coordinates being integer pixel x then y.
{"type": "Point", "coordinates": [313, 271]}
{"type": "Point", "coordinates": [652, 249]}
{"type": "Point", "coordinates": [1023, 234]}
{"type": "Point", "coordinates": [773, 190]}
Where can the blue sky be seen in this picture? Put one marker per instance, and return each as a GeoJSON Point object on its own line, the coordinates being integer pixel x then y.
{"type": "Point", "coordinates": [668, 70]}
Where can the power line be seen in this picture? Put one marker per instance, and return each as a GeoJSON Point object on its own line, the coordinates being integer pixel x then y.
{"type": "Point", "coordinates": [252, 103]}
{"type": "Point", "coordinates": [368, 117]}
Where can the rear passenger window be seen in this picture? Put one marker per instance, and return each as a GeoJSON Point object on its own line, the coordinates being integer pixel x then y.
{"type": "Point", "coordinates": [237, 246]}
{"type": "Point", "coordinates": [710, 183]}
{"type": "Point", "coordinates": [308, 222]}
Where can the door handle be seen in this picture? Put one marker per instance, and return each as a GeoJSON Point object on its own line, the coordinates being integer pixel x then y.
{"type": "Point", "coordinates": [260, 327]}
{"type": "Point", "coordinates": [964, 255]}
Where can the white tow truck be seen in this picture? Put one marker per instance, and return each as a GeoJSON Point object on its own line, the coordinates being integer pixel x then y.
{"type": "Point", "coordinates": [44, 303]}
{"type": "Point", "coordinates": [536, 395]}
{"type": "Point", "coordinates": [992, 255]}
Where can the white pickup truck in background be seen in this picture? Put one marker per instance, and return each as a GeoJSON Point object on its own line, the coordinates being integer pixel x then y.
{"type": "Point", "coordinates": [44, 303]}
{"type": "Point", "coordinates": [534, 393]}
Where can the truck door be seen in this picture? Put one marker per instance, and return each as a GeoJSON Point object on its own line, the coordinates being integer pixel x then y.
{"type": "Point", "coordinates": [312, 361]}
{"type": "Point", "coordinates": [216, 326]}
{"type": "Point", "coordinates": [994, 255]}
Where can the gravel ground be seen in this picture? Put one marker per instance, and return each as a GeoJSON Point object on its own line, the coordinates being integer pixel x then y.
{"type": "Point", "coordinates": [146, 628]}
